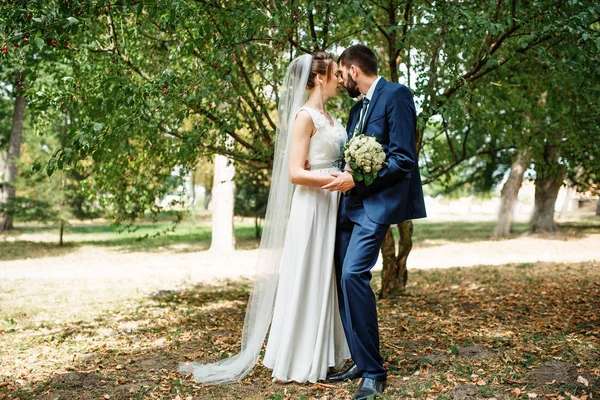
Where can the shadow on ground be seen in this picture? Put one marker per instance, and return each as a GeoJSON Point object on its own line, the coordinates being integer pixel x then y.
{"type": "Point", "coordinates": [516, 331]}
{"type": "Point", "coordinates": [20, 250]}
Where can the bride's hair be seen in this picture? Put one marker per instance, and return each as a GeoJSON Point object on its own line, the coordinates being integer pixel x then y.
{"type": "Point", "coordinates": [322, 64]}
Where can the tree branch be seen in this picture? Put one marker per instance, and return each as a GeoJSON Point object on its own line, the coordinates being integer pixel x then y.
{"type": "Point", "coordinates": [237, 156]}
{"type": "Point", "coordinates": [450, 145]}
{"type": "Point", "coordinates": [114, 49]}
{"type": "Point", "coordinates": [264, 112]}
{"type": "Point", "coordinates": [453, 164]}
{"type": "Point", "coordinates": [326, 25]}
{"type": "Point", "coordinates": [227, 131]}
{"type": "Point", "coordinates": [313, 33]}
{"type": "Point", "coordinates": [297, 45]}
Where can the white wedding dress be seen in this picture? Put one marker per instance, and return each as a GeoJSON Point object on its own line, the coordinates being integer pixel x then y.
{"type": "Point", "coordinates": [306, 335]}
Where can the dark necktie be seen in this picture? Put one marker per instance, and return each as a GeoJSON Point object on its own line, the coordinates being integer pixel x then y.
{"type": "Point", "coordinates": [363, 113]}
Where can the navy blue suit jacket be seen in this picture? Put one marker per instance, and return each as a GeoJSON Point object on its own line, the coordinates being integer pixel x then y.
{"type": "Point", "coordinates": [396, 194]}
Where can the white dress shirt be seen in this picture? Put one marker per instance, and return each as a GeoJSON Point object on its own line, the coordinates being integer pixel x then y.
{"type": "Point", "coordinates": [370, 92]}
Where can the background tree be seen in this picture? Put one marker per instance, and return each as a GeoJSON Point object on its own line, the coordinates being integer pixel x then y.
{"type": "Point", "coordinates": [252, 195]}
{"type": "Point", "coordinates": [141, 70]}
{"type": "Point", "coordinates": [25, 58]}
{"type": "Point", "coordinates": [449, 49]}
{"type": "Point", "coordinates": [12, 152]}
{"type": "Point", "coordinates": [203, 175]}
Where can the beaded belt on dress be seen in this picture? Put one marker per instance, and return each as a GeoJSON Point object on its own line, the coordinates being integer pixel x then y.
{"type": "Point", "coordinates": [339, 163]}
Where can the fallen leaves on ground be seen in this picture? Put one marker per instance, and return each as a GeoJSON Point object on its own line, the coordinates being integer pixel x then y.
{"type": "Point", "coordinates": [527, 331]}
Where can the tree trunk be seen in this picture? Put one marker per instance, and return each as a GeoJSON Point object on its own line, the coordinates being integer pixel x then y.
{"type": "Point", "coordinates": [223, 238]}
{"type": "Point", "coordinates": [549, 177]}
{"type": "Point", "coordinates": [394, 275]}
{"type": "Point", "coordinates": [193, 183]}
{"type": "Point", "coordinates": [566, 203]}
{"type": "Point", "coordinates": [62, 231]}
{"type": "Point", "coordinates": [8, 189]}
{"type": "Point", "coordinates": [207, 198]}
{"type": "Point", "coordinates": [257, 228]}
{"type": "Point", "coordinates": [598, 207]}
{"type": "Point", "coordinates": [546, 192]}
{"type": "Point", "coordinates": [509, 194]}
{"type": "Point", "coordinates": [3, 186]}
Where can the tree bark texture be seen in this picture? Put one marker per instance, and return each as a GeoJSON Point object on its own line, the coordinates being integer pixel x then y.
{"type": "Point", "coordinates": [207, 198]}
{"type": "Point", "coordinates": [395, 273]}
{"type": "Point", "coordinates": [509, 194]}
{"type": "Point", "coordinates": [3, 174]}
{"type": "Point", "coordinates": [567, 202]}
{"type": "Point", "coordinates": [9, 180]}
{"type": "Point", "coordinates": [549, 177]}
{"type": "Point", "coordinates": [62, 231]}
{"type": "Point", "coordinates": [223, 201]}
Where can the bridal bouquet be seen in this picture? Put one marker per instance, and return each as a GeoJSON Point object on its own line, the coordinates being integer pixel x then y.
{"type": "Point", "coordinates": [365, 156]}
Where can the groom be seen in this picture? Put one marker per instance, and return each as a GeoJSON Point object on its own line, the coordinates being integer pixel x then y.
{"type": "Point", "coordinates": [387, 112]}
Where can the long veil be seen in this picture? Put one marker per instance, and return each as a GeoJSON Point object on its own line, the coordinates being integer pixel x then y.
{"type": "Point", "coordinates": [261, 302]}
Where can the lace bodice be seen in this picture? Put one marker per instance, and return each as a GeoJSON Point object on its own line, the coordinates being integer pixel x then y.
{"type": "Point", "coordinates": [327, 142]}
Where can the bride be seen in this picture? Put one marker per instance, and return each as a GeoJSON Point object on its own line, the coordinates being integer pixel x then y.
{"type": "Point", "coordinates": [294, 290]}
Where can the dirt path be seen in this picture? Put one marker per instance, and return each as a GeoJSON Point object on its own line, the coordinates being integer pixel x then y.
{"type": "Point", "coordinates": [526, 249]}
{"type": "Point", "coordinates": [164, 269]}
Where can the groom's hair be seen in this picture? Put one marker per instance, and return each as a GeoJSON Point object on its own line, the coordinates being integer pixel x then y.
{"type": "Point", "coordinates": [361, 56]}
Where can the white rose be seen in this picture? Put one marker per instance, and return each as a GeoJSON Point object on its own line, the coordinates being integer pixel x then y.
{"type": "Point", "coordinates": [367, 169]}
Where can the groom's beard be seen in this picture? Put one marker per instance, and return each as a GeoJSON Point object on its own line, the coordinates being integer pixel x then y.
{"type": "Point", "coordinates": [352, 88]}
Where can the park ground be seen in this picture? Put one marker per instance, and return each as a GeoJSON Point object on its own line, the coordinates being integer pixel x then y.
{"type": "Point", "coordinates": [110, 317]}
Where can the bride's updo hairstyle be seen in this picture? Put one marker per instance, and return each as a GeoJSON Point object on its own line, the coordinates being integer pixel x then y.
{"type": "Point", "coordinates": [322, 63]}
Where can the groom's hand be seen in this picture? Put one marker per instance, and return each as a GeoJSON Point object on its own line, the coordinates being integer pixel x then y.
{"type": "Point", "coordinates": [343, 182]}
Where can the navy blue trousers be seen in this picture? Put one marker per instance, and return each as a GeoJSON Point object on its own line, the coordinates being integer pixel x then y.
{"type": "Point", "coordinates": [358, 240]}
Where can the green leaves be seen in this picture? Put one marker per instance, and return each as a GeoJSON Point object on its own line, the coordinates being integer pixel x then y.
{"type": "Point", "coordinates": [51, 166]}
{"type": "Point", "coordinates": [71, 21]}
{"type": "Point", "coordinates": [147, 93]}
{"type": "Point", "coordinates": [39, 42]}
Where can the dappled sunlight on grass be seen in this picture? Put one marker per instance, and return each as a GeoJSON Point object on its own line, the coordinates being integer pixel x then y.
{"type": "Point", "coordinates": [192, 236]}
{"type": "Point", "coordinates": [42, 241]}
{"type": "Point", "coordinates": [18, 250]}
{"type": "Point", "coordinates": [437, 233]}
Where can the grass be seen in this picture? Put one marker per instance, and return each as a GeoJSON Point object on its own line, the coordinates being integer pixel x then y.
{"type": "Point", "coordinates": [194, 234]}
{"type": "Point", "coordinates": [431, 233]}
{"type": "Point", "coordinates": [39, 241]}
{"type": "Point", "coordinates": [428, 233]}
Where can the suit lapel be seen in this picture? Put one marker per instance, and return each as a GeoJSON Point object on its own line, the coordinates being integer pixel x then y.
{"type": "Point", "coordinates": [373, 101]}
